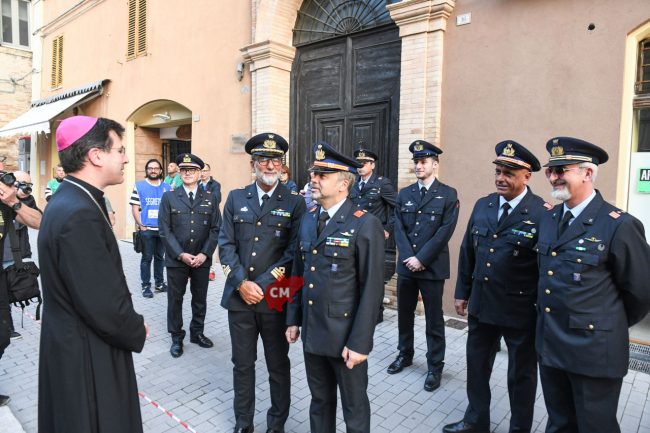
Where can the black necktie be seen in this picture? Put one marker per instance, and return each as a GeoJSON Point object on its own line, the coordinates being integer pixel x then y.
{"type": "Point", "coordinates": [265, 199]}
{"type": "Point", "coordinates": [361, 185]}
{"type": "Point", "coordinates": [565, 221]}
{"type": "Point", "coordinates": [322, 220]}
{"type": "Point", "coordinates": [504, 214]}
{"type": "Point", "coordinates": [191, 197]}
{"type": "Point", "coordinates": [423, 192]}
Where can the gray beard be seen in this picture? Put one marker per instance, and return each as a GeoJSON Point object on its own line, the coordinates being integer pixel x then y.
{"type": "Point", "coordinates": [561, 195]}
{"type": "Point", "coordinates": [266, 180]}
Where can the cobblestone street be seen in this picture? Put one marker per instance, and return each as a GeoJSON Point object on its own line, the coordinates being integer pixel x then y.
{"type": "Point", "coordinates": [197, 387]}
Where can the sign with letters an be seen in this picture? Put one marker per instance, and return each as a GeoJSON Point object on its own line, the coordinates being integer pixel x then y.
{"type": "Point", "coordinates": [643, 184]}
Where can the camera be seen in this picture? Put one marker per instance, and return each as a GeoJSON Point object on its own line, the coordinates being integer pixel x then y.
{"type": "Point", "coordinates": [7, 178]}
{"type": "Point", "coordinates": [25, 187]}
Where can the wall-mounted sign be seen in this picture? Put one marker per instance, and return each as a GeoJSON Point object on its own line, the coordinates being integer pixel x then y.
{"type": "Point", "coordinates": [644, 180]}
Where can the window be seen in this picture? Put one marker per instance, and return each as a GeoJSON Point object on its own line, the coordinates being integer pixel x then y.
{"type": "Point", "coordinates": [643, 71]}
{"type": "Point", "coordinates": [57, 62]}
{"type": "Point", "coordinates": [137, 36]}
{"type": "Point", "coordinates": [15, 22]}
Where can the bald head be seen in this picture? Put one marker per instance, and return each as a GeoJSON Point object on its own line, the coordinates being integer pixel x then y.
{"type": "Point", "coordinates": [22, 176]}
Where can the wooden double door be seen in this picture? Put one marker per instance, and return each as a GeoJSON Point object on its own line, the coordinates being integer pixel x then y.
{"type": "Point", "coordinates": [345, 91]}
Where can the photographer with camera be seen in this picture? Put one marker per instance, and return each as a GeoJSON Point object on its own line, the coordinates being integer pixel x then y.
{"type": "Point", "coordinates": [17, 206]}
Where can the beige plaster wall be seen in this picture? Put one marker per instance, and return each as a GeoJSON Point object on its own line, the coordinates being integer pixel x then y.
{"type": "Point", "coordinates": [530, 70]}
{"type": "Point", "coordinates": [192, 53]}
{"type": "Point", "coordinates": [15, 95]}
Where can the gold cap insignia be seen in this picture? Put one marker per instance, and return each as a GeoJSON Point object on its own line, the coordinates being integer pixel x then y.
{"type": "Point", "coordinates": [269, 144]}
{"type": "Point", "coordinates": [557, 151]}
{"type": "Point", "coordinates": [320, 153]}
{"type": "Point", "coordinates": [271, 136]}
{"type": "Point", "coordinates": [187, 158]}
{"type": "Point", "coordinates": [508, 150]}
{"type": "Point", "coordinates": [362, 154]}
{"type": "Point", "coordinates": [418, 147]}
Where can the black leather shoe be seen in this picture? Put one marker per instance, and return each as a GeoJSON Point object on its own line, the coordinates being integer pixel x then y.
{"type": "Point", "coordinates": [432, 382]}
{"type": "Point", "coordinates": [4, 399]}
{"type": "Point", "coordinates": [463, 427]}
{"type": "Point", "coordinates": [202, 341]}
{"type": "Point", "coordinates": [400, 362]}
{"type": "Point", "coordinates": [272, 430]}
{"type": "Point", "coordinates": [177, 349]}
{"type": "Point", "coordinates": [248, 429]}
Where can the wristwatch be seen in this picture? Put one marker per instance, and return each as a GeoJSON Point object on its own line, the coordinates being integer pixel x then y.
{"type": "Point", "coordinates": [17, 206]}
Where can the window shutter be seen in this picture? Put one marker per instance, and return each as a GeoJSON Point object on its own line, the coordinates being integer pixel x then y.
{"type": "Point", "coordinates": [56, 77]}
{"type": "Point", "coordinates": [55, 57]}
{"type": "Point", "coordinates": [142, 27]}
{"type": "Point", "coordinates": [59, 71]}
{"type": "Point", "coordinates": [130, 46]}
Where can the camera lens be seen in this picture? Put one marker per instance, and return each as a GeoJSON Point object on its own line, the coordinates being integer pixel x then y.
{"type": "Point", "coordinates": [8, 179]}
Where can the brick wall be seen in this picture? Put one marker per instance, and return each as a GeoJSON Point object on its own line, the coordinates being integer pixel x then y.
{"type": "Point", "coordinates": [15, 95]}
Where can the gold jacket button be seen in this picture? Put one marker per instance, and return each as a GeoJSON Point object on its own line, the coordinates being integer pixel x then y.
{"type": "Point", "coordinates": [253, 254]}
{"type": "Point", "coordinates": [312, 269]}
{"type": "Point", "coordinates": [419, 211]}
{"type": "Point", "coordinates": [488, 264]}
{"type": "Point", "coordinates": [579, 260]}
{"type": "Point", "coordinates": [591, 327]}
{"type": "Point", "coordinates": [417, 223]}
{"type": "Point", "coordinates": [251, 269]}
{"type": "Point", "coordinates": [311, 302]}
{"type": "Point", "coordinates": [311, 285]}
{"type": "Point", "coordinates": [345, 314]}
{"type": "Point", "coordinates": [259, 223]}
{"type": "Point", "coordinates": [414, 246]}
{"type": "Point", "coordinates": [549, 273]}
{"type": "Point", "coordinates": [554, 254]}
{"type": "Point", "coordinates": [547, 291]}
{"type": "Point", "coordinates": [491, 250]}
{"type": "Point", "coordinates": [314, 252]}
{"type": "Point", "coordinates": [256, 239]}
{"type": "Point", "coordinates": [486, 279]}
{"type": "Point", "coordinates": [495, 236]}
{"type": "Point", "coordinates": [336, 254]}
{"type": "Point", "coordinates": [548, 310]}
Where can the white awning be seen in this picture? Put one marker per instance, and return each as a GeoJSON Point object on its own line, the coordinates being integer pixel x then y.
{"type": "Point", "coordinates": [37, 119]}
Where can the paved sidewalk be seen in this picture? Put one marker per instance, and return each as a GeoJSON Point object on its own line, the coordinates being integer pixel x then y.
{"type": "Point", "coordinates": [197, 387]}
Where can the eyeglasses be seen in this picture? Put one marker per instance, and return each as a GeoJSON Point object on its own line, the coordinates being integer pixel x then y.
{"type": "Point", "coordinates": [559, 171]}
{"type": "Point", "coordinates": [121, 150]}
{"type": "Point", "coordinates": [154, 168]}
{"type": "Point", "coordinates": [189, 170]}
{"type": "Point", "coordinates": [205, 170]}
{"type": "Point", "coordinates": [265, 161]}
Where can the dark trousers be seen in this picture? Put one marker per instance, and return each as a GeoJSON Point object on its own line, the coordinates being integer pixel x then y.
{"type": "Point", "coordinates": [5, 314]}
{"type": "Point", "coordinates": [152, 249]}
{"type": "Point", "coordinates": [580, 404]}
{"type": "Point", "coordinates": [407, 300]}
{"type": "Point", "coordinates": [482, 342]}
{"type": "Point", "coordinates": [323, 375]}
{"type": "Point", "coordinates": [245, 326]}
{"type": "Point", "coordinates": [177, 282]}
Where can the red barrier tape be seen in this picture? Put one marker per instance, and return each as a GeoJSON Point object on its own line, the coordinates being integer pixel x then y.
{"type": "Point", "coordinates": [166, 412]}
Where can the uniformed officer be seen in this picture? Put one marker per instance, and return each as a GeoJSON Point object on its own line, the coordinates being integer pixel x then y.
{"type": "Point", "coordinates": [426, 213]}
{"type": "Point", "coordinates": [593, 285]}
{"type": "Point", "coordinates": [341, 257]}
{"type": "Point", "coordinates": [497, 275]}
{"type": "Point", "coordinates": [257, 245]}
{"type": "Point", "coordinates": [373, 193]}
{"type": "Point", "coordinates": [189, 221]}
